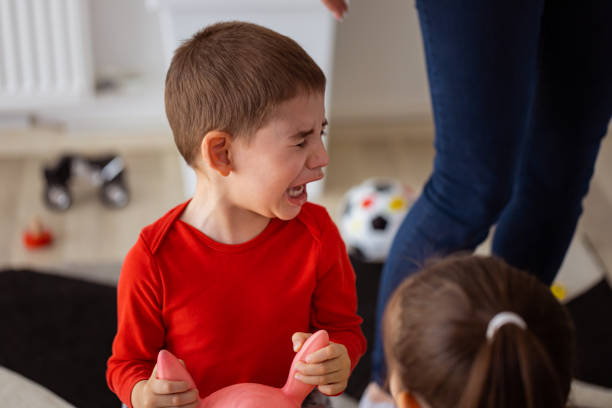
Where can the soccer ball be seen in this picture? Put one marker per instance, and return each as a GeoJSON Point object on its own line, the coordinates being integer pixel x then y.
{"type": "Point", "coordinates": [371, 215]}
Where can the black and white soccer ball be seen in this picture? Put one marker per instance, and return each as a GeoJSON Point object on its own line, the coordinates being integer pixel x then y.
{"type": "Point", "coordinates": [371, 215]}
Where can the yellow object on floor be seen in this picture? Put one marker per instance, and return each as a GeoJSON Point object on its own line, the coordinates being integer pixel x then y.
{"type": "Point", "coordinates": [558, 290]}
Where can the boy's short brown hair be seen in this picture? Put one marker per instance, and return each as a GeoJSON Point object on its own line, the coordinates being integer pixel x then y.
{"type": "Point", "coordinates": [229, 77]}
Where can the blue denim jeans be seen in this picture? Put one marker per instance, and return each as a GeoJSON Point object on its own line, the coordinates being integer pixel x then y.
{"type": "Point", "coordinates": [522, 96]}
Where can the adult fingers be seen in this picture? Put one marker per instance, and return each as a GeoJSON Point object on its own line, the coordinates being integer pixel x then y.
{"type": "Point", "coordinates": [337, 7]}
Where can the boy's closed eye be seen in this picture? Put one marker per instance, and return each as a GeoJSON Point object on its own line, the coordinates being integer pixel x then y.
{"type": "Point", "coordinates": [302, 137]}
{"type": "Point", "coordinates": [302, 142]}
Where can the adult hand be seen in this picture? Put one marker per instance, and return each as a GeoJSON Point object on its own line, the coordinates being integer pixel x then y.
{"type": "Point", "coordinates": [337, 7]}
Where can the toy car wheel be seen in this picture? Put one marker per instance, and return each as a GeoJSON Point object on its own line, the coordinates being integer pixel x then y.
{"type": "Point", "coordinates": [115, 195]}
{"type": "Point", "coordinates": [57, 197]}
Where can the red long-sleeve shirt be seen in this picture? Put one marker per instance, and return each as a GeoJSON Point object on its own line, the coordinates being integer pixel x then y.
{"type": "Point", "coordinates": [229, 310]}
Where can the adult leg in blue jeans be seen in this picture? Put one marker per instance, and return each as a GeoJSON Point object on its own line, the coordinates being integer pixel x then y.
{"type": "Point", "coordinates": [518, 126]}
{"type": "Point", "coordinates": [571, 109]}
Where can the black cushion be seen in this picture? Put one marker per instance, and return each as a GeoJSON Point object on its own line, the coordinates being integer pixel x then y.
{"type": "Point", "coordinates": [58, 332]}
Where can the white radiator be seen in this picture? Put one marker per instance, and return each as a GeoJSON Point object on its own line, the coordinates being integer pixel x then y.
{"type": "Point", "coordinates": [45, 53]}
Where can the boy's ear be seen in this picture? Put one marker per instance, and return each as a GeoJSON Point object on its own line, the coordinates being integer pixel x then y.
{"type": "Point", "coordinates": [406, 399]}
{"type": "Point", "coordinates": [215, 150]}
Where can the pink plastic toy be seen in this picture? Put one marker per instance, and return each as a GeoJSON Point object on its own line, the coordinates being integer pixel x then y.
{"type": "Point", "coordinates": [249, 395]}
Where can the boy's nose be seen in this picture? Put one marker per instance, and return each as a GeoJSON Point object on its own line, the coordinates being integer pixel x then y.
{"type": "Point", "coordinates": [319, 157]}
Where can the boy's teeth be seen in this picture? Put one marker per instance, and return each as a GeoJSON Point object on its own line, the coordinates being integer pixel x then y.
{"type": "Point", "coordinates": [296, 191]}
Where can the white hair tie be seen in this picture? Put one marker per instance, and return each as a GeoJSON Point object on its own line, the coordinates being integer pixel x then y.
{"type": "Point", "coordinates": [501, 319]}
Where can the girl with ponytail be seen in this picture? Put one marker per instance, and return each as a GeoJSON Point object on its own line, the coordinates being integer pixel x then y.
{"type": "Point", "coordinates": [474, 332]}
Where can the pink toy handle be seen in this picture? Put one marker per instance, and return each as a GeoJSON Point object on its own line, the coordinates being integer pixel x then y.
{"type": "Point", "coordinates": [170, 368]}
{"type": "Point", "coordinates": [295, 389]}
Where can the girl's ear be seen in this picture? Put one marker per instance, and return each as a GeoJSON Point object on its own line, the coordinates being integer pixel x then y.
{"type": "Point", "coordinates": [215, 151]}
{"type": "Point", "coordinates": [405, 399]}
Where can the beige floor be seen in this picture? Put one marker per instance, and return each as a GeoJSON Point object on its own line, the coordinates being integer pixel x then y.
{"type": "Point", "coordinates": [89, 237]}
{"type": "Point", "coordinates": [91, 240]}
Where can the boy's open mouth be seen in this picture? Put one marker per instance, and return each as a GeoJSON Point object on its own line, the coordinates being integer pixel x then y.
{"type": "Point", "coordinates": [296, 191]}
{"type": "Point", "coordinates": [297, 195]}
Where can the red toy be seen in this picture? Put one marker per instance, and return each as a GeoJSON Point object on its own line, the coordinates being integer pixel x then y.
{"type": "Point", "coordinates": [36, 235]}
{"type": "Point", "coordinates": [249, 395]}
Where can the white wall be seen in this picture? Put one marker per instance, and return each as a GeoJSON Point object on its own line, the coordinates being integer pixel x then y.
{"type": "Point", "coordinates": [126, 38]}
{"type": "Point", "coordinates": [379, 67]}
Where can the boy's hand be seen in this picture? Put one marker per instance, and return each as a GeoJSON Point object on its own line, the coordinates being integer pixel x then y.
{"type": "Point", "coordinates": [153, 393]}
{"type": "Point", "coordinates": [328, 368]}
